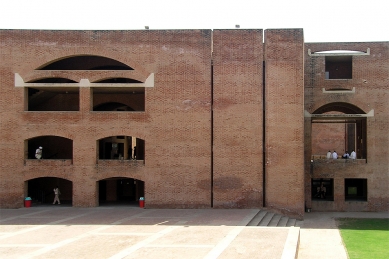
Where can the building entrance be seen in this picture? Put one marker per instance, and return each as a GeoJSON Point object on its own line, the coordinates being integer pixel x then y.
{"type": "Point", "coordinates": [120, 191]}
{"type": "Point", "coordinates": [41, 190]}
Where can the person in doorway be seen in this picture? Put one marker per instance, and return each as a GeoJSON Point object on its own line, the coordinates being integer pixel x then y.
{"type": "Point", "coordinates": [346, 155]}
{"type": "Point", "coordinates": [328, 154]}
{"type": "Point", "coordinates": [134, 153]}
{"type": "Point", "coordinates": [323, 191]}
{"type": "Point", "coordinates": [56, 195]}
{"type": "Point", "coordinates": [335, 155]}
{"type": "Point", "coordinates": [38, 153]}
{"type": "Point", "coordinates": [353, 155]}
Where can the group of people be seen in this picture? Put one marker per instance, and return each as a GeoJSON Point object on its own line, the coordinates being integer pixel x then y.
{"type": "Point", "coordinates": [321, 191]}
{"type": "Point", "coordinates": [346, 155]}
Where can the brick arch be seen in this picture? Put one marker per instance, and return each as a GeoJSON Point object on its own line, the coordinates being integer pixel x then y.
{"type": "Point", "coordinates": [102, 60]}
{"type": "Point", "coordinates": [107, 134]}
{"type": "Point", "coordinates": [45, 175]}
{"type": "Point", "coordinates": [106, 176]}
{"type": "Point", "coordinates": [40, 61]}
{"type": "Point", "coordinates": [32, 76]}
{"type": "Point", "coordinates": [51, 135]}
{"type": "Point", "coordinates": [345, 107]}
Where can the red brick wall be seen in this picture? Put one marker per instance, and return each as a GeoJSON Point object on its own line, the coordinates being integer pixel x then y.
{"type": "Point", "coordinates": [175, 126]}
{"type": "Point", "coordinates": [237, 118]}
{"type": "Point", "coordinates": [370, 80]}
{"type": "Point", "coordinates": [284, 121]}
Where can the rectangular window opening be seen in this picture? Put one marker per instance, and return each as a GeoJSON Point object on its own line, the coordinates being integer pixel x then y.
{"type": "Point", "coordinates": [322, 189]}
{"type": "Point", "coordinates": [338, 67]}
{"type": "Point", "coordinates": [355, 189]}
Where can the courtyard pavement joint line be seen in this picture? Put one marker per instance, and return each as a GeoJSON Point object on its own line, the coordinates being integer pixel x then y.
{"type": "Point", "coordinates": [291, 245]}
{"type": "Point", "coordinates": [70, 240]}
{"type": "Point", "coordinates": [224, 243]}
{"type": "Point", "coordinates": [143, 243]}
{"type": "Point", "coordinates": [23, 216]}
{"type": "Point", "coordinates": [41, 226]}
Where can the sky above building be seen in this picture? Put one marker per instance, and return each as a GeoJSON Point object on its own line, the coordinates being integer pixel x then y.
{"type": "Point", "coordinates": [322, 21]}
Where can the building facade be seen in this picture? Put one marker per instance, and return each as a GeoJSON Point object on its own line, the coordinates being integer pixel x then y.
{"type": "Point", "coordinates": [194, 119]}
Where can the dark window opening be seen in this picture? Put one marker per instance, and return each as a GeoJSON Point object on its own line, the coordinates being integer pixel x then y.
{"type": "Point", "coordinates": [112, 107]}
{"type": "Point", "coordinates": [41, 190]}
{"type": "Point", "coordinates": [86, 63]}
{"type": "Point", "coordinates": [53, 80]}
{"type": "Point", "coordinates": [120, 191]}
{"type": "Point", "coordinates": [53, 147]}
{"type": "Point", "coordinates": [122, 148]}
{"type": "Point", "coordinates": [118, 99]}
{"type": "Point", "coordinates": [338, 67]}
{"type": "Point", "coordinates": [322, 189]}
{"type": "Point", "coordinates": [118, 80]}
{"type": "Point", "coordinates": [52, 99]}
{"type": "Point", "coordinates": [355, 189]}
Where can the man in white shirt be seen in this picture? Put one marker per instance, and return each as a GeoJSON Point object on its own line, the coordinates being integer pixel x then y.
{"type": "Point", "coordinates": [328, 154]}
{"type": "Point", "coordinates": [57, 192]}
{"type": "Point", "coordinates": [353, 155]}
{"type": "Point", "coordinates": [38, 153]}
{"type": "Point", "coordinates": [335, 155]}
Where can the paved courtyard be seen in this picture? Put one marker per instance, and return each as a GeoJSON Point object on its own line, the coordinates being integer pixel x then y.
{"type": "Point", "coordinates": [130, 232]}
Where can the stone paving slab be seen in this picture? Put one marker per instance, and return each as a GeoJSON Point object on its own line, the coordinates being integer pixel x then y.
{"type": "Point", "coordinates": [130, 232]}
{"type": "Point", "coordinates": [320, 237]}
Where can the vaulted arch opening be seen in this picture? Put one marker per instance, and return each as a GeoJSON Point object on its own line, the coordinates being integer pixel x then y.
{"type": "Point", "coordinates": [120, 191]}
{"type": "Point", "coordinates": [130, 98]}
{"type": "Point", "coordinates": [52, 147]}
{"type": "Point", "coordinates": [85, 62]}
{"type": "Point", "coordinates": [341, 128]}
{"type": "Point", "coordinates": [121, 147]}
{"type": "Point", "coordinates": [41, 190]}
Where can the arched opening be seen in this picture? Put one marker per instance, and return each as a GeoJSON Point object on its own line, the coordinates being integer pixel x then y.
{"type": "Point", "coordinates": [53, 147]}
{"type": "Point", "coordinates": [341, 128]}
{"type": "Point", "coordinates": [41, 190]}
{"type": "Point", "coordinates": [85, 62]}
{"type": "Point", "coordinates": [121, 147]}
{"type": "Point", "coordinates": [120, 191]}
{"type": "Point", "coordinates": [119, 80]}
{"type": "Point", "coordinates": [130, 98]}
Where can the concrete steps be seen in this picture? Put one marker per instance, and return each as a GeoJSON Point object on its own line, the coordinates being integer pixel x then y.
{"type": "Point", "coordinates": [266, 218]}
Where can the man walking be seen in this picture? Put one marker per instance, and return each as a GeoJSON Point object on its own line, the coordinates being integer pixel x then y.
{"type": "Point", "coordinates": [56, 195]}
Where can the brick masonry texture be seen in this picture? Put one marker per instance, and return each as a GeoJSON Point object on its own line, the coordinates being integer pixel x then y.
{"type": "Point", "coordinates": [216, 95]}
{"type": "Point", "coordinates": [284, 95]}
{"type": "Point", "coordinates": [371, 81]}
{"type": "Point", "coordinates": [237, 118]}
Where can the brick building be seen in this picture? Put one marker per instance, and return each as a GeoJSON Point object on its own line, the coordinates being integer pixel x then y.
{"type": "Point", "coordinates": [194, 119]}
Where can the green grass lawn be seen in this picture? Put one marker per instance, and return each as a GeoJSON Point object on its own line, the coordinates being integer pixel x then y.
{"type": "Point", "coordinates": [365, 238]}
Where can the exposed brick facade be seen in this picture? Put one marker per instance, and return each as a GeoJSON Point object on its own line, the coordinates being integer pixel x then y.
{"type": "Point", "coordinates": [223, 124]}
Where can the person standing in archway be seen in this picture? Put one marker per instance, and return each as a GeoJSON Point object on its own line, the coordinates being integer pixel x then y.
{"type": "Point", "coordinates": [56, 195]}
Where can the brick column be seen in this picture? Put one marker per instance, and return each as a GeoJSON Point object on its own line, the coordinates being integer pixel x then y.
{"type": "Point", "coordinates": [237, 118]}
{"type": "Point", "coordinates": [284, 120]}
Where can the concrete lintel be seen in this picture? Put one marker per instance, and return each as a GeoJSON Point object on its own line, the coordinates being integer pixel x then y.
{"type": "Point", "coordinates": [338, 53]}
{"type": "Point", "coordinates": [338, 116]}
{"type": "Point", "coordinates": [19, 82]}
{"type": "Point", "coordinates": [339, 91]}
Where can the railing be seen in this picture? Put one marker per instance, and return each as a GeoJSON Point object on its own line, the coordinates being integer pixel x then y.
{"type": "Point", "coordinates": [48, 162]}
{"type": "Point", "coordinates": [120, 162]}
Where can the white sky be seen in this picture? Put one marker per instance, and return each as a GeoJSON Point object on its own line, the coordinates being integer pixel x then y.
{"type": "Point", "coordinates": [322, 21]}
